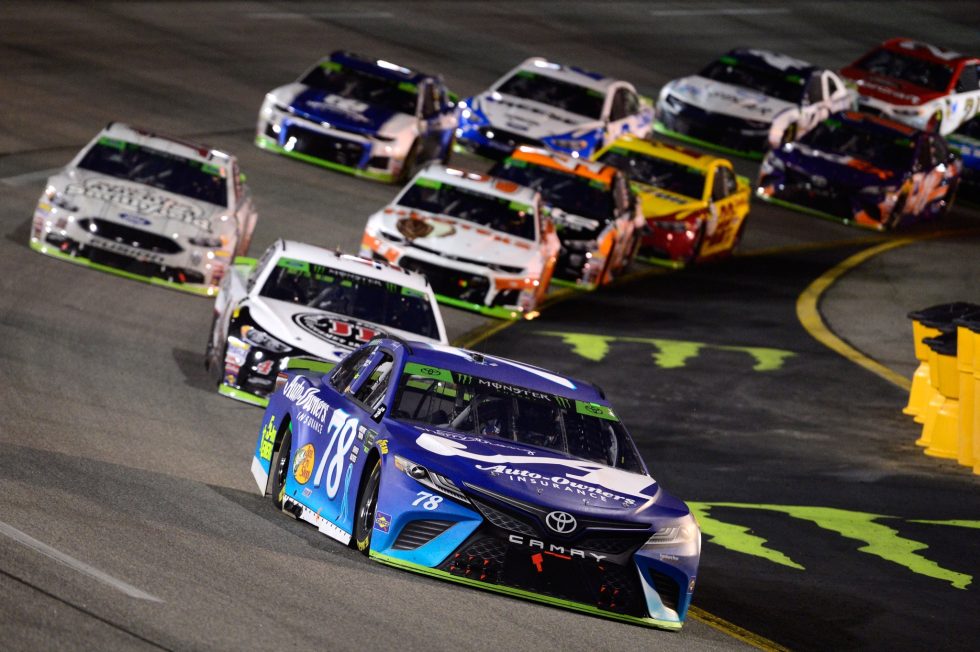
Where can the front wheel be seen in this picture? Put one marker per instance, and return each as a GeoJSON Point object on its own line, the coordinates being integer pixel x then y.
{"type": "Point", "coordinates": [279, 468]}
{"type": "Point", "coordinates": [411, 161]}
{"type": "Point", "coordinates": [366, 507]}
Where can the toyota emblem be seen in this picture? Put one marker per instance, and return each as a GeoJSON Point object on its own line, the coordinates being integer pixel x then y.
{"type": "Point", "coordinates": [561, 522]}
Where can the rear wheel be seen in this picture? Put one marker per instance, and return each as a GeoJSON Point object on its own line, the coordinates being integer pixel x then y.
{"type": "Point", "coordinates": [279, 468]}
{"type": "Point", "coordinates": [366, 508]}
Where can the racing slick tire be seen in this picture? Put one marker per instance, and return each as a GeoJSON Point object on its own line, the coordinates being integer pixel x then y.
{"type": "Point", "coordinates": [366, 506]}
{"type": "Point", "coordinates": [279, 468]}
{"type": "Point", "coordinates": [696, 247]}
{"type": "Point", "coordinates": [947, 201]}
{"type": "Point", "coordinates": [212, 359]}
{"type": "Point", "coordinates": [789, 135]}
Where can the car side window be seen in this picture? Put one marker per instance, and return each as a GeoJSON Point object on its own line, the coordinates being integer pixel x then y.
{"type": "Point", "coordinates": [343, 375]}
{"type": "Point", "coordinates": [833, 88]}
{"type": "Point", "coordinates": [430, 100]}
{"type": "Point", "coordinates": [373, 390]}
{"type": "Point", "coordinates": [814, 89]}
{"type": "Point", "coordinates": [261, 265]}
{"type": "Point", "coordinates": [723, 184]}
{"type": "Point", "coordinates": [968, 80]}
{"type": "Point", "coordinates": [619, 105]}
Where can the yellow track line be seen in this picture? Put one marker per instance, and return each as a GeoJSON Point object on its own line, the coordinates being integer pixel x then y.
{"type": "Point", "coordinates": [807, 311]}
{"type": "Point", "coordinates": [734, 630]}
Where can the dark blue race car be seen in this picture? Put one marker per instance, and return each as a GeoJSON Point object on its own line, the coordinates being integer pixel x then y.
{"type": "Point", "coordinates": [864, 170]}
{"type": "Point", "coordinates": [372, 118]}
{"type": "Point", "coordinates": [483, 471]}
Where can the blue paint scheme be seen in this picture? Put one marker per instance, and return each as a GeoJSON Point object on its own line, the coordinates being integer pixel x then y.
{"type": "Point", "coordinates": [310, 105]}
{"type": "Point", "coordinates": [547, 479]}
{"type": "Point", "coordinates": [966, 141]}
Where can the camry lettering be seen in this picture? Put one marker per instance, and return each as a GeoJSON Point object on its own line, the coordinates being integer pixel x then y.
{"type": "Point", "coordinates": [550, 547]}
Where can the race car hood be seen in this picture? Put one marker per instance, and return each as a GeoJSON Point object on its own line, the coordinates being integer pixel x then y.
{"type": "Point", "coordinates": [341, 113]}
{"type": "Point", "coordinates": [137, 205]}
{"type": "Point", "coordinates": [545, 478]}
{"type": "Point", "coordinates": [326, 335]}
{"type": "Point", "coordinates": [836, 168]}
{"type": "Point", "coordinates": [734, 101]}
{"type": "Point", "coordinates": [657, 203]}
{"type": "Point", "coordinates": [453, 237]}
{"type": "Point", "coordinates": [890, 89]}
{"type": "Point", "coordinates": [531, 119]}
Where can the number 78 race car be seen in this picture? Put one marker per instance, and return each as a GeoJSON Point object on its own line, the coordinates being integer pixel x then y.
{"type": "Point", "coordinates": [482, 471]}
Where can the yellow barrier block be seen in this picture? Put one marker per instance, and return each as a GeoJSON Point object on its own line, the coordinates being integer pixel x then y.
{"type": "Point", "coordinates": [944, 440]}
{"type": "Point", "coordinates": [927, 417]}
{"type": "Point", "coordinates": [975, 332]}
{"type": "Point", "coordinates": [922, 392]}
{"type": "Point", "coordinates": [964, 366]}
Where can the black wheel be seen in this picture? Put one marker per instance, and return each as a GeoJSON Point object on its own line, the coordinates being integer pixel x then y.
{"type": "Point", "coordinates": [895, 219]}
{"type": "Point", "coordinates": [366, 505]}
{"type": "Point", "coordinates": [411, 162]}
{"type": "Point", "coordinates": [947, 201]}
{"type": "Point", "coordinates": [214, 357]}
{"type": "Point", "coordinates": [279, 468]}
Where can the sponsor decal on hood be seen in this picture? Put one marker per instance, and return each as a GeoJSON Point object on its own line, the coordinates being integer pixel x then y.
{"type": "Point", "coordinates": [546, 472]}
{"type": "Point", "coordinates": [530, 119]}
{"type": "Point", "coordinates": [727, 99]}
{"type": "Point", "coordinates": [143, 200]}
{"type": "Point", "coordinates": [341, 112]}
{"type": "Point", "coordinates": [339, 330]}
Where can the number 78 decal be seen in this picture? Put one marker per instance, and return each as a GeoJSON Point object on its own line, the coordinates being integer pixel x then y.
{"type": "Point", "coordinates": [429, 501]}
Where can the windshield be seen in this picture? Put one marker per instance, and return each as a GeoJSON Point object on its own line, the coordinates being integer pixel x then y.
{"type": "Point", "coordinates": [496, 213]}
{"type": "Point", "coordinates": [886, 150]}
{"type": "Point", "coordinates": [927, 74]}
{"type": "Point", "coordinates": [668, 175]}
{"type": "Point", "coordinates": [359, 297]}
{"type": "Point", "coordinates": [768, 81]}
{"type": "Point", "coordinates": [467, 404]}
{"type": "Point", "coordinates": [554, 92]}
{"type": "Point", "coordinates": [176, 174]}
{"type": "Point", "coordinates": [568, 191]}
{"type": "Point", "coordinates": [375, 90]}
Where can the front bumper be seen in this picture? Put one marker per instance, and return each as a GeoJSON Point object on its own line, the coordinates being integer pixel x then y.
{"type": "Point", "coordinates": [355, 154]}
{"type": "Point", "coordinates": [713, 130]}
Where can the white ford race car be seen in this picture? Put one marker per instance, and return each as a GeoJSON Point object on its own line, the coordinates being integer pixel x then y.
{"type": "Point", "coordinates": [747, 101]}
{"type": "Point", "coordinates": [147, 207]}
{"type": "Point", "coordinates": [483, 242]}
{"type": "Point", "coordinates": [545, 104]}
{"type": "Point", "coordinates": [303, 307]}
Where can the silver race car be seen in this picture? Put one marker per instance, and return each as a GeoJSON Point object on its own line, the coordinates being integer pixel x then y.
{"type": "Point", "coordinates": [147, 207]}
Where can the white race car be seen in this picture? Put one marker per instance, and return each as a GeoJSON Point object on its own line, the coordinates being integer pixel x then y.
{"type": "Point", "coordinates": [747, 101]}
{"type": "Point", "coordinates": [483, 242]}
{"type": "Point", "coordinates": [545, 104]}
{"type": "Point", "coordinates": [304, 307]}
{"type": "Point", "coordinates": [147, 207]}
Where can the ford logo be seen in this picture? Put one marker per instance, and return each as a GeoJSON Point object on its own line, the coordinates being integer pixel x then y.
{"type": "Point", "coordinates": [561, 522]}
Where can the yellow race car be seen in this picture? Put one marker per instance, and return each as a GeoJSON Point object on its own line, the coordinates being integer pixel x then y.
{"type": "Point", "coordinates": [694, 204]}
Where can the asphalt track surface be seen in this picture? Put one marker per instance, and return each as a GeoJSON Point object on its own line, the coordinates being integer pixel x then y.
{"type": "Point", "coordinates": [128, 516]}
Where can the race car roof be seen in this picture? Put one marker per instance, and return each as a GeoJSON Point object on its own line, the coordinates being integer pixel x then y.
{"type": "Point", "coordinates": [503, 370]}
{"type": "Point", "coordinates": [355, 265]}
{"type": "Point", "coordinates": [657, 149]}
{"type": "Point", "coordinates": [378, 67]}
{"type": "Point", "coordinates": [477, 182]}
{"type": "Point", "coordinates": [767, 58]}
{"type": "Point", "coordinates": [591, 170]}
{"type": "Point", "coordinates": [571, 74]}
{"type": "Point", "coordinates": [169, 144]}
{"type": "Point", "coordinates": [926, 51]}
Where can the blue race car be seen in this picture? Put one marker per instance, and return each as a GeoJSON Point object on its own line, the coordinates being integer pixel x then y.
{"type": "Point", "coordinates": [371, 118]}
{"type": "Point", "coordinates": [483, 471]}
{"type": "Point", "coordinates": [966, 142]}
{"type": "Point", "coordinates": [861, 169]}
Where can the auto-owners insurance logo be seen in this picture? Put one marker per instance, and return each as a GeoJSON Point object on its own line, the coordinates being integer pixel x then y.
{"type": "Point", "coordinates": [561, 522]}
